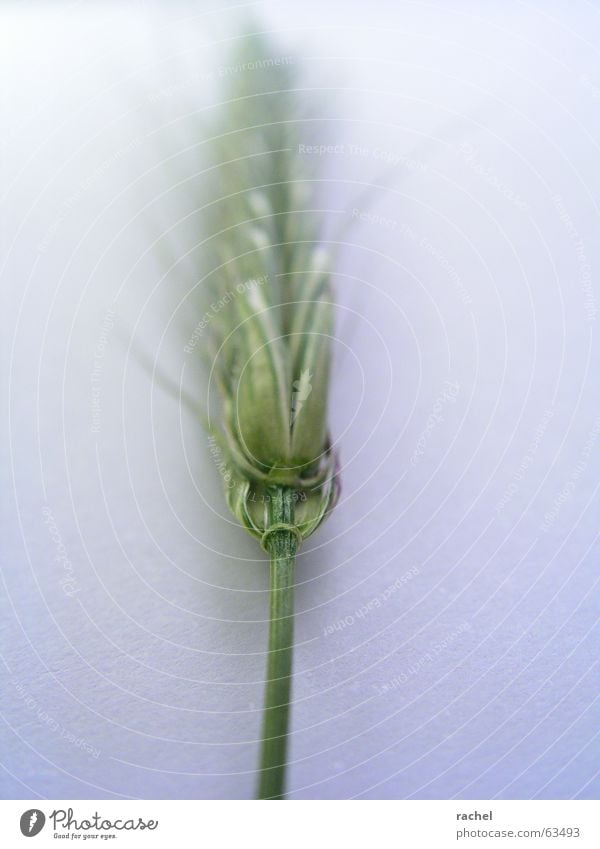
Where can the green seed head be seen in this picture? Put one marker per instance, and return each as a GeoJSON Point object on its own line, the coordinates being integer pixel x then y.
{"type": "Point", "coordinates": [270, 320]}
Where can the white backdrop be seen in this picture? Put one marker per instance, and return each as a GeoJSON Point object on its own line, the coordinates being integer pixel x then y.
{"type": "Point", "coordinates": [447, 614]}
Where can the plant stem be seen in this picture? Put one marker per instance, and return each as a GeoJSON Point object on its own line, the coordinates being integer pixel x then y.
{"type": "Point", "coordinates": [281, 543]}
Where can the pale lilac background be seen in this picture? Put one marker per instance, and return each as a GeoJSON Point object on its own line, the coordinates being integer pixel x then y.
{"type": "Point", "coordinates": [476, 675]}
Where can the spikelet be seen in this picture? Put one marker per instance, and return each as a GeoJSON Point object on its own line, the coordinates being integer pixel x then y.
{"type": "Point", "coordinates": [269, 347]}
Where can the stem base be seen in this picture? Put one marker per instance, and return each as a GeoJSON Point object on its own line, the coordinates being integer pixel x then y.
{"type": "Point", "coordinates": [281, 542]}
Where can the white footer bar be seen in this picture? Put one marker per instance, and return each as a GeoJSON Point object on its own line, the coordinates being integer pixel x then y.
{"type": "Point", "coordinates": [302, 824]}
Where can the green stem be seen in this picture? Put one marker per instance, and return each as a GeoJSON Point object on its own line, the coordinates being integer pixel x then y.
{"type": "Point", "coordinates": [281, 542]}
